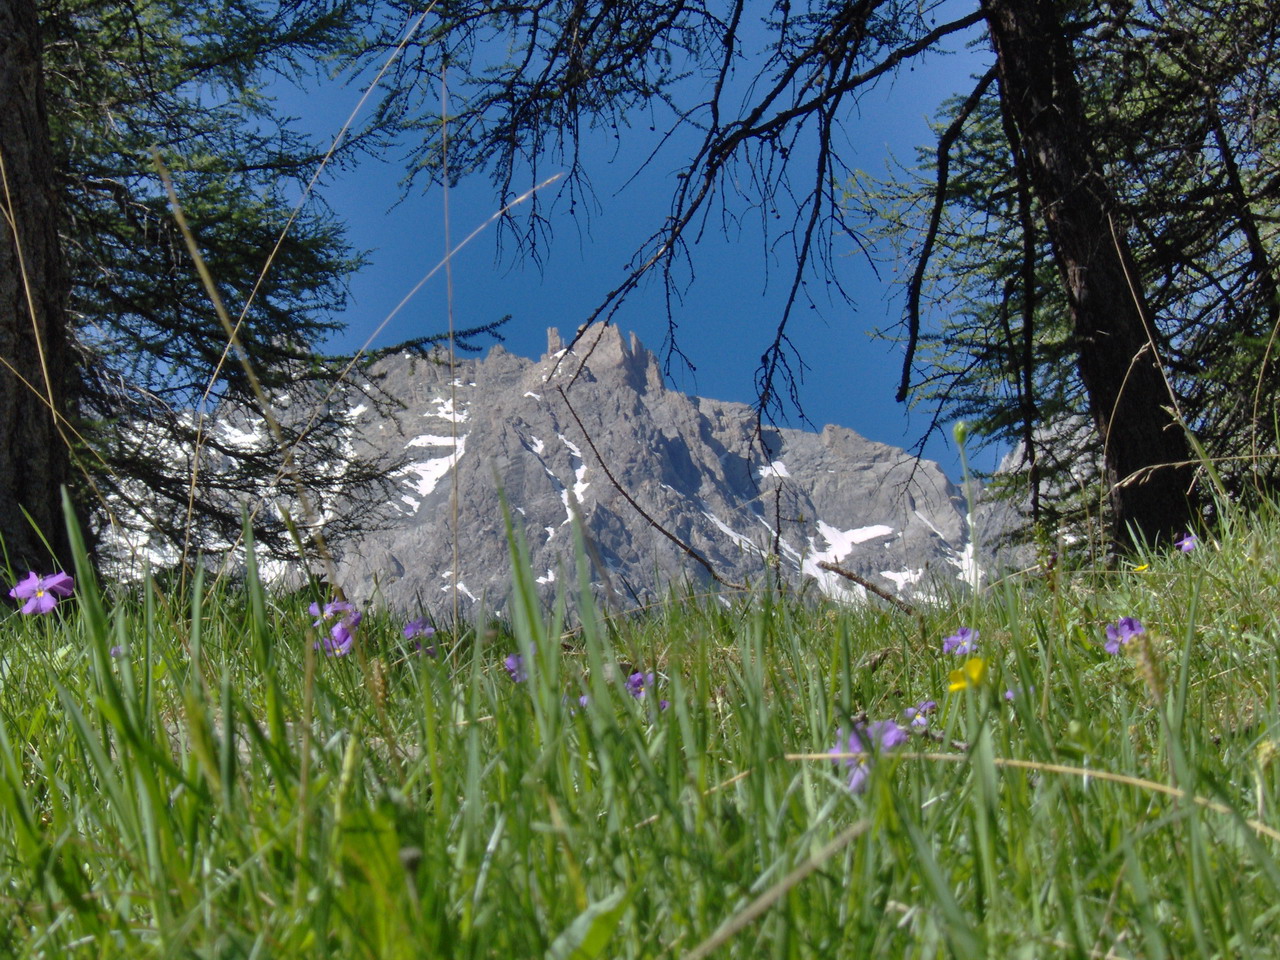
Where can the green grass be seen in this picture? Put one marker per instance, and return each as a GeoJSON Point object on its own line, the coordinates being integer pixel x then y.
{"type": "Point", "coordinates": [221, 790]}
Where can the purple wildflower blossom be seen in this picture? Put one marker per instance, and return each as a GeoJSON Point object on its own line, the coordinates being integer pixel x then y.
{"type": "Point", "coordinates": [919, 714]}
{"type": "Point", "coordinates": [880, 736]}
{"type": "Point", "coordinates": [331, 609]}
{"type": "Point", "coordinates": [338, 643]}
{"type": "Point", "coordinates": [1186, 543]}
{"type": "Point", "coordinates": [342, 634]}
{"type": "Point", "coordinates": [340, 639]}
{"type": "Point", "coordinates": [637, 682]}
{"type": "Point", "coordinates": [1121, 632]}
{"type": "Point", "coordinates": [418, 628]}
{"type": "Point", "coordinates": [963, 641]}
{"type": "Point", "coordinates": [663, 704]}
{"type": "Point", "coordinates": [42, 593]}
{"type": "Point", "coordinates": [117, 651]}
{"type": "Point", "coordinates": [514, 664]}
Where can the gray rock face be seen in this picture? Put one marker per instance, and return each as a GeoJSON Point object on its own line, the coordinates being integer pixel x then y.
{"type": "Point", "coordinates": [501, 427]}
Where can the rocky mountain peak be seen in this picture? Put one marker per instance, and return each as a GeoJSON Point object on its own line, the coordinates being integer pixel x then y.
{"type": "Point", "coordinates": [618, 439]}
{"type": "Point", "coordinates": [603, 352]}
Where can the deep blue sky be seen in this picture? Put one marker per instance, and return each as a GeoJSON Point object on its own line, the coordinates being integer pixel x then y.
{"type": "Point", "coordinates": [728, 315]}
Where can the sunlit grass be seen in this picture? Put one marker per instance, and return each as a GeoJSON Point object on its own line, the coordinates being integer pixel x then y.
{"type": "Point", "coordinates": [217, 787]}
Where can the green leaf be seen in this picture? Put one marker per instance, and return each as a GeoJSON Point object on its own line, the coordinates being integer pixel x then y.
{"type": "Point", "coordinates": [591, 931]}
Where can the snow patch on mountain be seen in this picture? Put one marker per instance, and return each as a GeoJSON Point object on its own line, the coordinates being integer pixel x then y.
{"type": "Point", "coordinates": [842, 541]}
{"type": "Point", "coordinates": [445, 410]}
{"type": "Point", "coordinates": [738, 539]}
{"type": "Point", "coordinates": [901, 579]}
{"type": "Point", "coordinates": [428, 473]}
{"type": "Point", "coordinates": [965, 560]}
{"type": "Point", "coordinates": [579, 471]}
{"type": "Point", "coordinates": [430, 440]}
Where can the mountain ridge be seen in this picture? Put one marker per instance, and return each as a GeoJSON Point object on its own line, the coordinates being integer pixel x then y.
{"type": "Point", "coordinates": [499, 426]}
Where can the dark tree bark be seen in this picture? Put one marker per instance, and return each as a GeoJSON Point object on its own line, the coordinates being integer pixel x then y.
{"type": "Point", "coordinates": [34, 358]}
{"type": "Point", "coordinates": [1146, 452]}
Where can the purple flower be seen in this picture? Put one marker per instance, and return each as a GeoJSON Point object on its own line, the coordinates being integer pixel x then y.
{"type": "Point", "coordinates": [1186, 543]}
{"type": "Point", "coordinates": [117, 651]}
{"type": "Point", "coordinates": [515, 668]}
{"type": "Point", "coordinates": [342, 634]}
{"type": "Point", "coordinates": [963, 641]}
{"type": "Point", "coordinates": [42, 593]}
{"type": "Point", "coordinates": [663, 704]}
{"type": "Point", "coordinates": [637, 682]}
{"type": "Point", "coordinates": [583, 700]}
{"type": "Point", "coordinates": [919, 714]}
{"type": "Point", "coordinates": [331, 610]}
{"type": "Point", "coordinates": [338, 643]}
{"type": "Point", "coordinates": [1121, 632]}
{"type": "Point", "coordinates": [418, 628]}
{"type": "Point", "coordinates": [880, 736]}
{"type": "Point", "coordinates": [340, 639]}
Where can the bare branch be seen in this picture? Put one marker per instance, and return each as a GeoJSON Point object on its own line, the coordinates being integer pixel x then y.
{"type": "Point", "coordinates": [945, 143]}
{"type": "Point", "coordinates": [706, 565]}
{"type": "Point", "coordinates": [868, 585]}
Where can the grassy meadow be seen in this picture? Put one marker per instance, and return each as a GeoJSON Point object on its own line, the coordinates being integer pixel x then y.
{"type": "Point", "coordinates": [197, 773]}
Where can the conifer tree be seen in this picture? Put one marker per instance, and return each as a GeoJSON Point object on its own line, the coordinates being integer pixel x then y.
{"type": "Point", "coordinates": [1179, 102]}
{"type": "Point", "coordinates": [33, 340]}
{"type": "Point", "coordinates": [167, 444]}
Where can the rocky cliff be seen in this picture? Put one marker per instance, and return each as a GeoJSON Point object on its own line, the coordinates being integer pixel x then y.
{"type": "Point", "coordinates": [484, 429]}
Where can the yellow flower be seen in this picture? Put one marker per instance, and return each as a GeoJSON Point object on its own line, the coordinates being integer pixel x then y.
{"type": "Point", "coordinates": [970, 675]}
{"type": "Point", "coordinates": [1140, 567]}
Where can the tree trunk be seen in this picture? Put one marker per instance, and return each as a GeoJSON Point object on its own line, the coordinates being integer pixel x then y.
{"type": "Point", "coordinates": [34, 457]}
{"type": "Point", "coordinates": [1146, 451]}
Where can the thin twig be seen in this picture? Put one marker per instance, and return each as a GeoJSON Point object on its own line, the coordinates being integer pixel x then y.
{"type": "Point", "coordinates": [1086, 773]}
{"type": "Point", "coordinates": [762, 903]}
{"type": "Point", "coordinates": [867, 584]}
{"type": "Point", "coordinates": [454, 477]}
{"type": "Point", "coordinates": [942, 165]}
{"type": "Point", "coordinates": [288, 464]}
{"type": "Point", "coordinates": [266, 269]}
{"type": "Point", "coordinates": [649, 821]}
{"type": "Point", "coordinates": [264, 404]}
{"type": "Point", "coordinates": [639, 509]}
